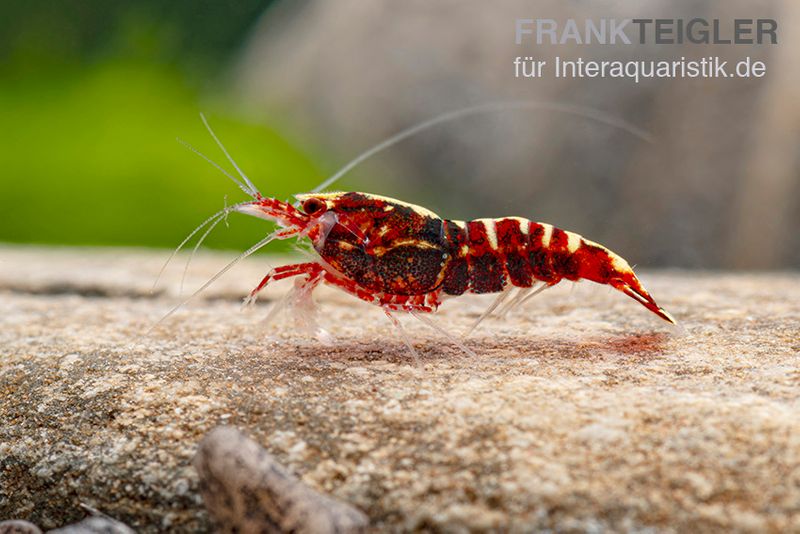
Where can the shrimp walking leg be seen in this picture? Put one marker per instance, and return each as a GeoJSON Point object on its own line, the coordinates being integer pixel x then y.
{"type": "Point", "coordinates": [424, 303]}
{"type": "Point", "coordinates": [311, 269]}
{"type": "Point", "coordinates": [299, 304]}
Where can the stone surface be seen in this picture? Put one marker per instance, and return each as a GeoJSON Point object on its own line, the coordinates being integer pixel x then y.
{"type": "Point", "coordinates": [582, 411]}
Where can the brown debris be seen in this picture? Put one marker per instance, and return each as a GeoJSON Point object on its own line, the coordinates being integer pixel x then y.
{"type": "Point", "coordinates": [17, 526]}
{"type": "Point", "coordinates": [247, 490]}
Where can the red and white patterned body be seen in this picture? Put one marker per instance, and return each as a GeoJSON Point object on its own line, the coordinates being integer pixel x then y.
{"type": "Point", "coordinates": [405, 257]}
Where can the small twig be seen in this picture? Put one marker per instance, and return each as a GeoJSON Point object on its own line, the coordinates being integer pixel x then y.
{"type": "Point", "coordinates": [246, 490]}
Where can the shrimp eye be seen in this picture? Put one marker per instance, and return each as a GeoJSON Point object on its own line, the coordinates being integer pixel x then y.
{"type": "Point", "coordinates": [314, 206]}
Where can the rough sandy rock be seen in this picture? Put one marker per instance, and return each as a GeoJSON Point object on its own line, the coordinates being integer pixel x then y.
{"type": "Point", "coordinates": [246, 490]}
{"type": "Point", "coordinates": [581, 412]}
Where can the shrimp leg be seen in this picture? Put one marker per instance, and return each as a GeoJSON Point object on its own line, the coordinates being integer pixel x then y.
{"type": "Point", "coordinates": [312, 269]}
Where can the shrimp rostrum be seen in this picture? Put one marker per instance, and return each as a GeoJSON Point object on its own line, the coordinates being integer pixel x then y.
{"type": "Point", "coordinates": [405, 258]}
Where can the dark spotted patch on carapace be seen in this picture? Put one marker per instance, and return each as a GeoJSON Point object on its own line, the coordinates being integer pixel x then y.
{"type": "Point", "coordinates": [403, 249]}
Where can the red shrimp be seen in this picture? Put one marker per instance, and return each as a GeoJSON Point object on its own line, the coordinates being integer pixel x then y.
{"type": "Point", "coordinates": [405, 258]}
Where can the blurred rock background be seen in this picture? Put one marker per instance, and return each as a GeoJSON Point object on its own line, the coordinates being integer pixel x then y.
{"type": "Point", "coordinates": [719, 186]}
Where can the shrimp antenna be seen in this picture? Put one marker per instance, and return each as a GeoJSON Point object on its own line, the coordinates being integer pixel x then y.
{"type": "Point", "coordinates": [261, 244]}
{"type": "Point", "coordinates": [220, 214]}
{"type": "Point", "coordinates": [253, 190]}
{"type": "Point", "coordinates": [242, 186]}
{"type": "Point", "coordinates": [197, 247]}
{"type": "Point", "coordinates": [586, 112]}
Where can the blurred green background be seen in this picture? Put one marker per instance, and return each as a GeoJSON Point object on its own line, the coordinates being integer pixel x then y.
{"type": "Point", "coordinates": [93, 96]}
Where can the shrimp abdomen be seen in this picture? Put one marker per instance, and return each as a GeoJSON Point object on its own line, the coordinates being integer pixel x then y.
{"type": "Point", "coordinates": [488, 255]}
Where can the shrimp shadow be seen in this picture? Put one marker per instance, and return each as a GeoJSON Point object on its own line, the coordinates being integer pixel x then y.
{"type": "Point", "coordinates": [388, 350]}
{"type": "Point", "coordinates": [642, 343]}
{"type": "Point", "coordinates": [634, 347]}
{"type": "Point", "coordinates": [638, 347]}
